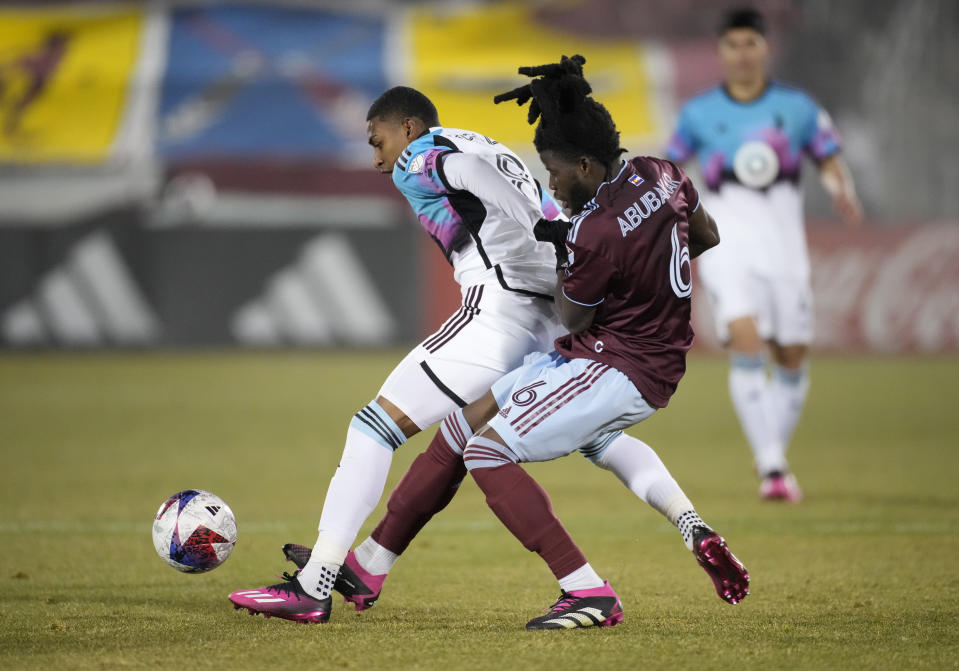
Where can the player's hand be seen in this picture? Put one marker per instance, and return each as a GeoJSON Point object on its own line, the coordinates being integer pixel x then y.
{"type": "Point", "coordinates": [849, 209]}
{"type": "Point", "coordinates": [554, 232]}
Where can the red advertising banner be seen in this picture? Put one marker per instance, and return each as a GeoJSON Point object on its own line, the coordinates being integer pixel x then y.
{"type": "Point", "coordinates": [891, 289]}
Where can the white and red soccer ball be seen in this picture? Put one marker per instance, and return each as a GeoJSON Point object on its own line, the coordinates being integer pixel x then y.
{"type": "Point", "coordinates": [194, 531]}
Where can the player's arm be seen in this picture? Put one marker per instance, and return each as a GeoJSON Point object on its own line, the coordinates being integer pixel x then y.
{"type": "Point", "coordinates": [575, 317]}
{"type": "Point", "coordinates": [581, 286]}
{"type": "Point", "coordinates": [821, 141]}
{"type": "Point", "coordinates": [837, 180]}
{"type": "Point", "coordinates": [703, 232]}
{"type": "Point", "coordinates": [469, 172]}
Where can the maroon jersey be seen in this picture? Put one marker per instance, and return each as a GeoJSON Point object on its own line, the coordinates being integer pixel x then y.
{"type": "Point", "coordinates": [629, 257]}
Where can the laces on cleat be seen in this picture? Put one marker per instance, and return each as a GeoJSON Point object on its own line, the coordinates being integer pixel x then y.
{"type": "Point", "coordinates": [598, 607]}
{"type": "Point", "coordinates": [564, 601]}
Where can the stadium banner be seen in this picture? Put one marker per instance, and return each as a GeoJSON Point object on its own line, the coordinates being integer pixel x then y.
{"type": "Point", "coordinates": [299, 90]}
{"type": "Point", "coordinates": [115, 282]}
{"type": "Point", "coordinates": [461, 56]}
{"type": "Point", "coordinates": [65, 83]}
{"type": "Point", "coordinates": [879, 290]}
{"type": "Point", "coordinates": [876, 290]}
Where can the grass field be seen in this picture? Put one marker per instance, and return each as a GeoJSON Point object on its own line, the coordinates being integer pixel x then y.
{"type": "Point", "coordinates": [863, 574]}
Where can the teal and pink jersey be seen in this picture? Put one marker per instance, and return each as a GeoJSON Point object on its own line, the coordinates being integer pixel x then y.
{"type": "Point", "coordinates": [714, 127]}
{"type": "Point", "coordinates": [479, 202]}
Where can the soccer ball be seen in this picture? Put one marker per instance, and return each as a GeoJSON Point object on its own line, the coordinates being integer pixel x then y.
{"type": "Point", "coordinates": [194, 531]}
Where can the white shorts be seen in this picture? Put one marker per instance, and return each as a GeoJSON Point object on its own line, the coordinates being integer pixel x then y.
{"type": "Point", "coordinates": [783, 307]}
{"type": "Point", "coordinates": [760, 268]}
{"type": "Point", "coordinates": [486, 338]}
{"type": "Point", "coordinates": [552, 406]}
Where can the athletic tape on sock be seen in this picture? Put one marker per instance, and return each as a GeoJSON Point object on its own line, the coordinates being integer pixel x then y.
{"type": "Point", "coordinates": [790, 376]}
{"type": "Point", "coordinates": [688, 521]}
{"type": "Point", "coordinates": [374, 421]}
{"type": "Point", "coordinates": [747, 361]}
{"type": "Point", "coordinates": [456, 430]}
{"type": "Point", "coordinates": [485, 453]}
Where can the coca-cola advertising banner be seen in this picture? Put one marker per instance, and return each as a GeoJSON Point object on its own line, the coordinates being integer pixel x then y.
{"type": "Point", "coordinates": [878, 290]}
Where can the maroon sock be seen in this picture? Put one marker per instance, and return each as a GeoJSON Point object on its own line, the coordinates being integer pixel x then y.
{"type": "Point", "coordinates": [524, 507]}
{"type": "Point", "coordinates": [428, 485]}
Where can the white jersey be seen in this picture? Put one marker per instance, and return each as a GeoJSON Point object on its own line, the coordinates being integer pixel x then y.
{"type": "Point", "coordinates": [479, 202]}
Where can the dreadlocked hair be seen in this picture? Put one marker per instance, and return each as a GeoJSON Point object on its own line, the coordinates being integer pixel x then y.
{"type": "Point", "coordinates": [571, 123]}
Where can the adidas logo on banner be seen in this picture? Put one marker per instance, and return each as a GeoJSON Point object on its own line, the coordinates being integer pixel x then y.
{"type": "Point", "coordinates": [213, 510]}
{"type": "Point", "coordinates": [89, 299]}
{"type": "Point", "coordinates": [326, 297]}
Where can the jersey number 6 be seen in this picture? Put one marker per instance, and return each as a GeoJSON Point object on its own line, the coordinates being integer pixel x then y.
{"type": "Point", "coordinates": [679, 258]}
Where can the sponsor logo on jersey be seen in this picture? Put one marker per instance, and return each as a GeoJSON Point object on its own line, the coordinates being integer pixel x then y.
{"type": "Point", "coordinates": [504, 413]}
{"type": "Point", "coordinates": [648, 203]}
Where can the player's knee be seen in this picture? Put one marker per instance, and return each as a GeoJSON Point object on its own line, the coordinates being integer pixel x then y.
{"type": "Point", "coordinates": [482, 452]}
{"type": "Point", "coordinates": [790, 357]}
{"type": "Point", "coordinates": [407, 425]}
{"type": "Point", "coordinates": [376, 423]}
{"type": "Point", "coordinates": [744, 336]}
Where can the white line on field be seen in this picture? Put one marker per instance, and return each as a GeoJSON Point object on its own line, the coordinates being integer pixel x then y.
{"type": "Point", "coordinates": [864, 527]}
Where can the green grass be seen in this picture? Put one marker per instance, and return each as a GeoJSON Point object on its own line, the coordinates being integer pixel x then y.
{"type": "Point", "coordinates": [863, 574]}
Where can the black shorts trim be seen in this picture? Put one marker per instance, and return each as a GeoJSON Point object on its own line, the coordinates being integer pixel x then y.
{"type": "Point", "coordinates": [442, 387]}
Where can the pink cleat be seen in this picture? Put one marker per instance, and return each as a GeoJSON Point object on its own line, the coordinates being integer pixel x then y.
{"type": "Point", "coordinates": [728, 574]}
{"type": "Point", "coordinates": [780, 487]}
{"type": "Point", "coordinates": [596, 607]}
{"type": "Point", "coordinates": [287, 600]}
{"type": "Point", "coordinates": [358, 587]}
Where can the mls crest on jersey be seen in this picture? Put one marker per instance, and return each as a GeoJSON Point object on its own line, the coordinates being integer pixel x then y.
{"type": "Point", "coordinates": [416, 165]}
{"type": "Point", "coordinates": [635, 180]}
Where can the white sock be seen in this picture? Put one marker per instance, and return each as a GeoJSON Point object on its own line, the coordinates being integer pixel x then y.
{"type": "Point", "coordinates": [788, 390]}
{"type": "Point", "coordinates": [374, 558]}
{"type": "Point", "coordinates": [317, 578]}
{"type": "Point", "coordinates": [638, 466]}
{"type": "Point", "coordinates": [749, 389]}
{"type": "Point", "coordinates": [582, 578]}
{"type": "Point", "coordinates": [354, 491]}
{"type": "Point", "coordinates": [641, 470]}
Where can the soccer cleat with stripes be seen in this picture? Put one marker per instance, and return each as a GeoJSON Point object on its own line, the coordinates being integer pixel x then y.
{"type": "Point", "coordinates": [780, 487]}
{"type": "Point", "coordinates": [287, 600]}
{"type": "Point", "coordinates": [358, 587]}
{"type": "Point", "coordinates": [728, 574]}
{"type": "Point", "coordinates": [596, 607]}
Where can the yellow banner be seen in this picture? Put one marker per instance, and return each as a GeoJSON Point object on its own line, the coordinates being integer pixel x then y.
{"type": "Point", "coordinates": [460, 59]}
{"type": "Point", "coordinates": [63, 82]}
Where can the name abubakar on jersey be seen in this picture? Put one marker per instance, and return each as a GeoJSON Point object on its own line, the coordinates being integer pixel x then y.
{"type": "Point", "coordinates": [647, 204]}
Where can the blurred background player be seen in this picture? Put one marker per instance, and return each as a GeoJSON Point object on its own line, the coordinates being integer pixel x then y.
{"type": "Point", "coordinates": [479, 203]}
{"type": "Point", "coordinates": [623, 291]}
{"type": "Point", "coordinates": [749, 134]}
